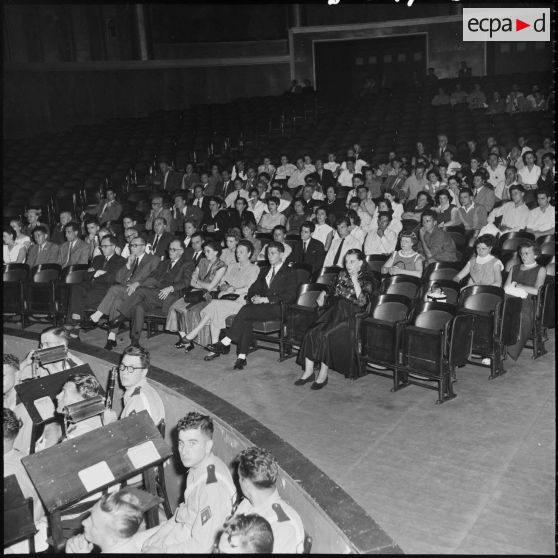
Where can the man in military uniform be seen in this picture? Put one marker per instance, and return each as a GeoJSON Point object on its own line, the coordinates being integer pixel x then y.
{"type": "Point", "coordinates": [208, 499]}
{"type": "Point", "coordinates": [139, 395]}
{"type": "Point", "coordinates": [257, 473]}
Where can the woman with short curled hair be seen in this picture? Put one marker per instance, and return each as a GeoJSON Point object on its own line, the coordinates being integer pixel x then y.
{"type": "Point", "coordinates": [12, 251]}
{"type": "Point", "coordinates": [270, 220]}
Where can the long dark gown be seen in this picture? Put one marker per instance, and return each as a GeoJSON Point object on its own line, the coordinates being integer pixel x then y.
{"type": "Point", "coordinates": [332, 339]}
{"type": "Point", "coordinates": [525, 277]}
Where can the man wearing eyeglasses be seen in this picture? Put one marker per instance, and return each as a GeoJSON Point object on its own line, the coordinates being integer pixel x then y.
{"type": "Point", "coordinates": [96, 281]}
{"type": "Point", "coordinates": [138, 395]}
{"type": "Point", "coordinates": [157, 210]}
{"type": "Point", "coordinates": [129, 277]}
{"type": "Point", "coordinates": [158, 292]}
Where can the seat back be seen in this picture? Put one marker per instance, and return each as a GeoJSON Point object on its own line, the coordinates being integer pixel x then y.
{"type": "Point", "coordinates": [509, 242]}
{"type": "Point", "coordinates": [480, 298]}
{"type": "Point", "coordinates": [328, 275]}
{"type": "Point", "coordinates": [547, 244]}
{"type": "Point", "coordinates": [15, 272]}
{"type": "Point", "coordinates": [74, 273]}
{"type": "Point", "coordinates": [441, 271]}
{"type": "Point", "coordinates": [375, 262]}
{"type": "Point", "coordinates": [405, 285]}
{"type": "Point", "coordinates": [44, 273]}
{"type": "Point", "coordinates": [303, 272]}
{"type": "Point", "coordinates": [308, 294]}
{"type": "Point", "coordinates": [390, 308]}
{"type": "Point", "coordinates": [461, 340]}
{"type": "Point", "coordinates": [432, 315]}
{"type": "Point", "coordinates": [449, 288]}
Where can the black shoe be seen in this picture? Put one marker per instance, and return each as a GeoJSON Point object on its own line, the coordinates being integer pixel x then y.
{"type": "Point", "coordinates": [110, 344]}
{"type": "Point", "coordinates": [181, 343]}
{"type": "Point", "coordinates": [73, 333]}
{"type": "Point", "coordinates": [219, 348]}
{"type": "Point", "coordinates": [317, 385]}
{"type": "Point", "coordinates": [239, 364]}
{"type": "Point", "coordinates": [189, 346]}
{"type": "Point", "coordinates": [88, 324]}
{"type": "Point", "coordinates": [210, 357]}
{"type": "Point", "coordinates": [301, 382]}
{"type": "Point", "coordinates": [117, 324]}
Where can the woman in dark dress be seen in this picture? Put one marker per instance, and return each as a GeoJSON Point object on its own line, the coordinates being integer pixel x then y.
{"type": "Point", "coordinates": [332, 339]}
{"type": "Point", "coordinates": [528, 276]}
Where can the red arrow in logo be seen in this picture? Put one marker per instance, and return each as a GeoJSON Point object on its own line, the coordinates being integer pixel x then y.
{"type": "Point", "coordinates": [519, 25]}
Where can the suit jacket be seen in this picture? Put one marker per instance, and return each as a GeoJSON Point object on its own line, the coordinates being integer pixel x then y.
{"type": "Point", "coordinates": [48, 255]}
{"type": "Point", "coordinates": [205, 204]}
{"type": "Point", "coordinates": [224, 189]}
{"type": "Point", "coordinates": [436, 151]}
{"type": "Point", "coordinates": [234, 218]}
{"type": "Point", "coordinates": [112, 212]}
{"type": "Point", "coordinates": [326, 178]}
{"type": "Point", "coordinates": [148, 264]}
{"type": "Point", "coordinates": [394, 184]}
{"type": "Point", "coordinates": [165, 214]}
{"type": "Point", "coordinates": [79, 255]}
{"type": "Point", "coordinates": [486, 198]}
{"type": "Point", "coordinates": [220, 221]}
{"type": "Point", "coordinates": [189, 213]}
{"type": "Point", "coordinates": [282, 289]}
{"type": "Point", "coordinates": [112, 266]}
{"type": "Point", "coordinates": [189, 255]}
{"type": "Point", "coordinates": [178, 277]}
{"type": "Point", "coordinates": [163, 244]}
{"type": "Point", "coordinates": [315, 254]}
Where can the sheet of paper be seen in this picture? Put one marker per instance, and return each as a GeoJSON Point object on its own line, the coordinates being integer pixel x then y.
{"type": "Point", "coordinates": [45, 407]}
{"type": "Point", "coordinates": [143, 454]}
{"type": "Point", "coordinates": [95, 476]}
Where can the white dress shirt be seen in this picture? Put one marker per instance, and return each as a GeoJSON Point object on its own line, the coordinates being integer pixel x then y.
{"type": "Point", "coordinates": [350, 242]}
{"type": "Point", "coordinates": [272, 271]}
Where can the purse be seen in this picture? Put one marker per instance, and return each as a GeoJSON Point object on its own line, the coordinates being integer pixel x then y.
{"type": "Point", "coordinates": [194, 296]}
{"type": "Point", "coordinates": [230, 296]}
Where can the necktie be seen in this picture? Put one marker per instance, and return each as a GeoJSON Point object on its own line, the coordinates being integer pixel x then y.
{"type": "Point", "coordinates": [69, 252]}
{"type": "Point", "coordinates": [134, 268]}
{"type": "Point", "coordinates": [104, 209]}
{"type": "Point", "coordinates": [197, 257]}
{"type": "Point", "coordinates": [304, 248]}
{"type": "Point", "coordinates": [272, 274]}
{"type": "Point", "coordinates": [105, 263]}
{"type": "Point", "coordinates": [338, 253]}
{"type": "Point", "coordinates": [156, 242]}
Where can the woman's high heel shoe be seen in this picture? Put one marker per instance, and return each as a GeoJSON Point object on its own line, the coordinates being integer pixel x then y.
{"type": "Point", "coordinates": [303, 381]}
{"type": "Point", "coordinates": [188, 345]}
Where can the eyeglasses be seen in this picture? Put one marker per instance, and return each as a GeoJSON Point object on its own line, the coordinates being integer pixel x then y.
{"type": "Point", "coordinates": [175, 249]}
{"type": "Point", "coordinates": [129, 369]}
{"type": "Point", "coordinates": [136, 245]}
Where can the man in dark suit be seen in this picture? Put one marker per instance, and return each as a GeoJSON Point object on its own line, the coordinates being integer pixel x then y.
{"type": "Point", "coordinates": [43, 251]}
{"type": "Point", "coordinates": [274, 285]}
{"type": "Point", "coordinates": [182, 213]}
{"type": "Point", "coordinates": [159, 291]}
{"type": "Point", "coordinates": [74, 250]}
{"type": "Point", "coordinates": [200, 201]}
{"type": "Point", "coordinates": [160, 239]}
{"type": "Point", "coordinates": [128, 278]}
{"type": "Point", "coordinates": [57, 234]}
{"type": "Point", "coordinates": [323, 176]}
{"type": "Point", "coordinates": [227, 186]}
{"type": "Point", "coordinates": [194, 252]}
{"type": "Point", "coordinates": [239, 215]}
{"type": "Point", "coordinates": [308, 250]}
{"type": "Point", "coordinates": [96, 281]}
{"type": "Point", "coordinates": [169, 180]}
{"type": "Point", "coordinates": [442, 147]}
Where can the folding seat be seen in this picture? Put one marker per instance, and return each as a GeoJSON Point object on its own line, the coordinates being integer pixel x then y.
{"type": "Point", "coordinates": [299, 316]}
{"type": "Point", "coordinates": [13, 279]}
{"type": "Point", "coordinates": [327, 275]}
{"type": "Point", "coordinates": [547, 245]}
{"type": "Point", "coordinates": [437, 271]}
{"type": "Point", "coordinates": [496, 321]}
{"type": "Point", "coordinates": [432, 344]}
{"type": "Point", "coordinates": [303, 272]}
{"type": "Point", "coordinates": [544, 307]}
{"type": "Point", "coordinates": [405, 285]}
{"type": "Point", "coordinates": [380, 331]}
{"type": "Point", "coordinates": [69, 275]}
{"type": "Point", "coordinates": [39, 293]}
{"type": "Point", "coordinates": [375, 263]}
{"type": "Point", "coordinates": [508, 243]}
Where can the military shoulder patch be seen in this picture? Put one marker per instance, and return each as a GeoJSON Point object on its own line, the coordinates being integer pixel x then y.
{"type": "Point", "coordinates": [211, 476]}
{"type": "Point", "coordinates": [281, 515]}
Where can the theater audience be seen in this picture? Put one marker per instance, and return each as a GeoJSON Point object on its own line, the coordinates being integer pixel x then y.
{"type": "Point", "coordinates": [208, 499]}
{"type": "Point", "coordinates": [32, 215]}
{"type": "Point", "coordinates": [190, 178]}
{"type": "Point", "coordinates": [57, 234]}
{"type": "Point", "coordinates": [476, 98]}
{"type": "Point", "coordinates": [182, 213]}
{"type": "Point", "coordinates": [341, 243]}
{"type": "Point", "coordinates": [298, 216]}
{"type": "Point", "coordinates": [528, 176]}
{"type": "Point", "coordinates": [239, 214]}
{"type": "Point", "coordinates": [446, 213]}
{"type": "Point", "coordinates": [381, 239]}
{"type": "Point", "coordinates": [248, 233]}
{"type": "Point", "coordinates": [158, 210]}
{"type": "Point", "coordinates": [228, 255]}
{"type": "Point", "coordinates": [484, 192]}
{"type": "Point", "coordinates": [279, 233]}
{"type": "Point", "coordinates": [255, 205]}
{"type": "Point", "coordinates": [270, 220]}
{"type": "Point", "coordinates": [92, 238]}
{"type": "Point", "coordinates": [307, 250]}
{"type": "Point", "coordinates": [50, 337]}
{"type": "Point", "coordinates": [240, 191]}
{"type": "Point", "coordinates": [274, 285]}
{"type": "Point", "coordinates": [21, 238]}
{"type": "Point", "coordinates": [107, 210]}
{"type": "Point", "coordinates": [405, 261]}
{"type": "Point", "coordinates": [515, 100]}
{"type": "Point", "coordinates": [416, 183]}
{"type": "Point", "coordinates": [244, 534]}
{"type": "Point", "coordinates": [159, 238]}
{"type": "Point", "coordinates": [436, 245]}
{"type": "Point", "coordinates": [541, 219]}
{"type": "Point", "coordinates": [514, 214]}
{"type": "Point", "coordinates": [322, 231]}
{"type": "Point", "coordinates": [296, 179]}
{"type": "Point", "coordinates": [415, 208]}
{"type": "Point", "coordinates": [497, 104]}
{"type": "Point", "coordinates": [183, 315]}
{"type": "Point", "coordinates": [473, 216]}
{"type": "Point", "coordinates": [331, 341]}
{"type": "Point", "coordinates": [483, 268]}
{"type": "Point", "coordinates": [258, 474]}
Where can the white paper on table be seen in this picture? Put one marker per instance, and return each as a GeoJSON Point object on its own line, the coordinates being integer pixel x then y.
{"type": "Point", "coordinates": [143, 454]}
{"type": "Point", "coordinates": [95, 476]}
{"type": "Point", "coordinates": [45, 407]}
